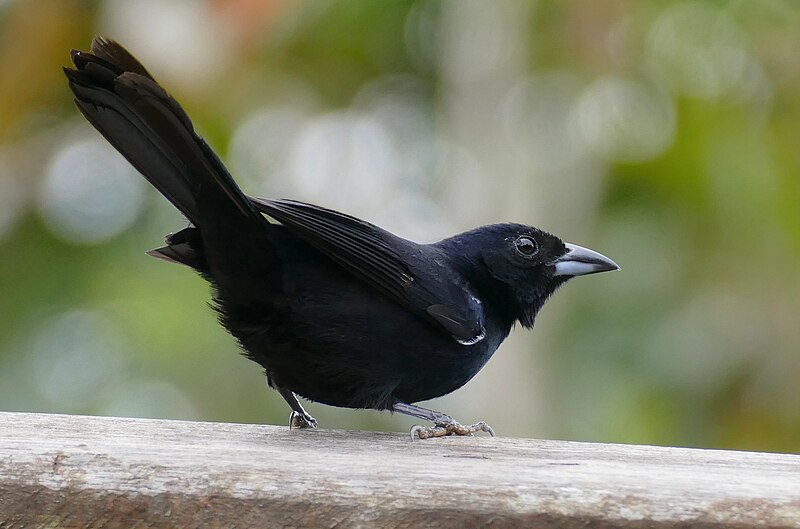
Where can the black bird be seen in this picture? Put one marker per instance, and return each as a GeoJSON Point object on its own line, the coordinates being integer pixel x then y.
{"type": "Point", "coordinates": [335, 309]}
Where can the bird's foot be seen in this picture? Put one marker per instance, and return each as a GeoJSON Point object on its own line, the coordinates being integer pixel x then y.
{"type": "Point", "coordinates": [301, 420]}
{"type": "Point", "coordinates": [449, 428]}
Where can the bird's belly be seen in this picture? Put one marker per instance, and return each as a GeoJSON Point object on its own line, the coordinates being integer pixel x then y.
{"type": "Point", "coordinates": [440, 371]}
{"type": "Point", "coordinates": [343, 344]}
{"type": "Point", "coordinates": [379, 353]}
{"type": "Point", "coordinates": [330, 338]}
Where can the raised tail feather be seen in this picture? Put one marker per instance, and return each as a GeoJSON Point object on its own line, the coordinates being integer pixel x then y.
{"type": "Point", "coordinates": [142, 121]}
{"type": "Point", "coordinates": [230, 240]}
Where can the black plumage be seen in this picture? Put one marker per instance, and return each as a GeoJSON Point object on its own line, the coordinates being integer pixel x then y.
{"type": "Point", "coordinates": [335, 309]}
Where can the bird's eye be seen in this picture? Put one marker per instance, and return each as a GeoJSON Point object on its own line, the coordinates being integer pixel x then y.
{"type": "Point", "coordinates": [526, 246]}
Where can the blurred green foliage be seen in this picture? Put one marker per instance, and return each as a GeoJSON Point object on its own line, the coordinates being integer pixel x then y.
{"type": "Point", "coordinates": [664, 134]}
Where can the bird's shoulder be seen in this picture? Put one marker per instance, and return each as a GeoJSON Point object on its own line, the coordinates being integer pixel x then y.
{"type": "Point", "coordinates": [417, 276]}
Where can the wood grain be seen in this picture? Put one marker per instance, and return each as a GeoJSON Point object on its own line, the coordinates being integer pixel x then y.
{"type": "Point", "coordinates": [73, 471]}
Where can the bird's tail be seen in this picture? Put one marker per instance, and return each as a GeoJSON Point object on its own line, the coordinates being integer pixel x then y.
{"type": "Point", "coordinates": [120, 98]}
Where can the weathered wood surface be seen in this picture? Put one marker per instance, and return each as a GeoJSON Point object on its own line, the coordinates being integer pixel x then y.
{"type": "Point", "coordinates": [70, 471]}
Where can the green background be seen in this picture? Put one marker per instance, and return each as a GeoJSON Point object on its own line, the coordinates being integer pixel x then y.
{"type": "Point", "coordinates": [662, 134]}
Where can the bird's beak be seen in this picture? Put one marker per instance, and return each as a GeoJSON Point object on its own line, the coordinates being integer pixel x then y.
{"type": "Point", "coordinates": [579, 261]}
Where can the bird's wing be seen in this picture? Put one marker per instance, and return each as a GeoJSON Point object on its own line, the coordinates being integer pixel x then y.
{"type": "Point", "coordinates": [410, 274]}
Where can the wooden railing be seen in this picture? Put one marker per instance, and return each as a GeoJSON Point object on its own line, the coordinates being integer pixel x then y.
{"type": "Point", "coordinates": [73, 471]}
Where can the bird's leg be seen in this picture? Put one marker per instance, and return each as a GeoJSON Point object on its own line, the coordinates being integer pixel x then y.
{"type": "Point", "coordinates": [299, 417]}
{"type": "Point", "coordinates": [443, 424]}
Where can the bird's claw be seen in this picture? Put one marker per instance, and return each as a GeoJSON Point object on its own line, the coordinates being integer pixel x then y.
{"type": "Point", "coordinates": [451, 428]}
{"type": "Point", "coordinates": [301, 420]}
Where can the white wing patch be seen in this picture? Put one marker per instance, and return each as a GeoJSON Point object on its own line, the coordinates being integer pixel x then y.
{"type": "Point", "coordinates": [475, 340]}
{"type": "Point", "coordinates": [478, 338]}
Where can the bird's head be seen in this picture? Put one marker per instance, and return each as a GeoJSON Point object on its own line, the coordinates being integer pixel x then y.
{"type": "Point", "coordinates": [521, 266]}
